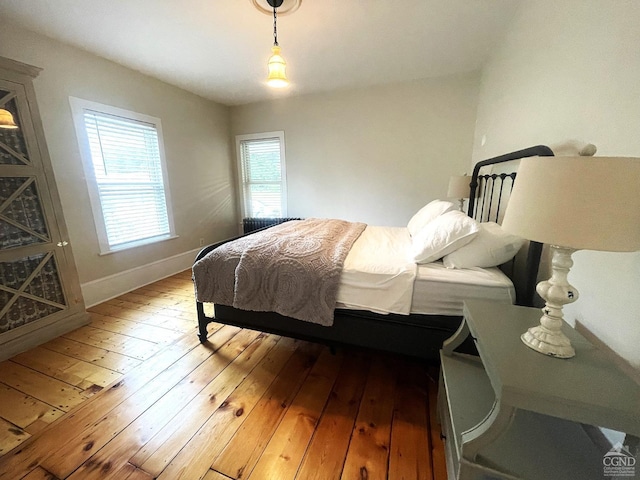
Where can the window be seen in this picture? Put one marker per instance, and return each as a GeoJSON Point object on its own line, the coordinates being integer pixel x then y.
{"type": "Point", "coordinates": [124, 164]}
{"type": "Point", "coordinates": [263, 184]}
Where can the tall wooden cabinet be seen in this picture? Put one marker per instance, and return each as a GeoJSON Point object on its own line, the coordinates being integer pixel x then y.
{"type": "Point", "coordinates": [40, 295]}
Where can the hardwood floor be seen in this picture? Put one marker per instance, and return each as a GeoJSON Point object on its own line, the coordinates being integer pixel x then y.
{"type": "Point", "coordinates": [134, 395]}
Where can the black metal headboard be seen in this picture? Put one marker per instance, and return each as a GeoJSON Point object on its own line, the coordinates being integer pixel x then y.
{"type": "Point", "coordinates": [487, 203]}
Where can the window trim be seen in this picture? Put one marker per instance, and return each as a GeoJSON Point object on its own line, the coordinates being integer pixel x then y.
{"type": "Point", "coordinates": [78, 107]}
{"type": "Point", "coordinates": [279, 134]}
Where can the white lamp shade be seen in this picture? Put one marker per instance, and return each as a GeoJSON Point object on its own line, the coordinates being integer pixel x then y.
{"type": "Point", "coordinates": [590, 203]}
{"type": "Point", "coordinates": [459, 186]}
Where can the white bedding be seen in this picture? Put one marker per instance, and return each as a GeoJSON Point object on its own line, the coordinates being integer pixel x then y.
{"type": "Point", "coordinates": [384, 285]}
{"type": "Point", "coordinates": [379, 276]}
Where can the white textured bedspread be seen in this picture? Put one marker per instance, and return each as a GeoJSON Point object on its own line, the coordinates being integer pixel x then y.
{"type": "Point", "coordinates": [293, 269]}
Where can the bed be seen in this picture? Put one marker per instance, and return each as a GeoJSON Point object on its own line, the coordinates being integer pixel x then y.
{"type": "Point", "coordinates": [435, 292]}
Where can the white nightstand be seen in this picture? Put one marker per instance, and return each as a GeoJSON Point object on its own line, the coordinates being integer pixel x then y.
{"type": "Point", "coordinates": [515, 413]}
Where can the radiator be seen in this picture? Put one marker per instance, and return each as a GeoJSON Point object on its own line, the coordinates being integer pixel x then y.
{"type": "Point", "coordinates": [252, 224]}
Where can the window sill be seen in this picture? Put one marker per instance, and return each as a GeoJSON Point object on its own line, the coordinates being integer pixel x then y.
{"type": "Point", "coordinates": [133, 245]}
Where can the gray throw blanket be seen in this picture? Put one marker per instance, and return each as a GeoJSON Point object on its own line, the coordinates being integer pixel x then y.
{"type": "Point", "coordinates": [293, 269]}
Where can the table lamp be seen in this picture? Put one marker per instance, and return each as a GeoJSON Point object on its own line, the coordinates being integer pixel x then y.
{"type": "Point", "coordinates": [459, 187]}
{"type": "Point", "coordinates": [6, 119]}
{"type": "Point", "coordinates": [572, 203]}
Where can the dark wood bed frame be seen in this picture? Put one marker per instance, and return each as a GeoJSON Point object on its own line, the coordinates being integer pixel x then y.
{"type": "Point", "coordinates": [415, 335]}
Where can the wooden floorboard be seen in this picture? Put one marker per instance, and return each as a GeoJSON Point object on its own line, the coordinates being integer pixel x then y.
{"type": "Point", "coordinates": [410, 428]}
{"type": "Point", "coordinates": [97, 356]}
{"type": "Point", "coordinates": [23, 410]}
{"type": "Point", "coordinates": [368, 453]}
{"type": "Point", "coordinates": [135, 396]}
{"type": "Point", "coordinates": [327, 450]}
{"type": "Point", "coordinates": [243, 451]}
{"type": "Point", "coordinates": [76, 372]}
{"type": "Point", "coordinates": [286, 447]}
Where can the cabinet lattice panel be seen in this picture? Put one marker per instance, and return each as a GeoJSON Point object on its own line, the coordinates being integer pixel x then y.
{"type": "Point", "coordinates": [30, 289]}
{"type": "Point", "coordinates": [22, 221]}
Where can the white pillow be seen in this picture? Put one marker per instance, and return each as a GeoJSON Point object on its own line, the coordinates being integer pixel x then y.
{"type": "Point", "coordinates": [426, 214]}
{"type": "Point", "coordinates": [491, 247]}
{"type": "Point", "coordinates": [443, 235]}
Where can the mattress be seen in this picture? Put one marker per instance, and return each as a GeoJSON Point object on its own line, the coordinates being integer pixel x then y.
{"type": "Point", "coordinates": [378, 276]}
{"type": "Point", "coordinates": [438, 290]}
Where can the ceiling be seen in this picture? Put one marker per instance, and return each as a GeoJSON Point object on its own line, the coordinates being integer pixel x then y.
{"type": "Point", "coordinates": [219, 49]}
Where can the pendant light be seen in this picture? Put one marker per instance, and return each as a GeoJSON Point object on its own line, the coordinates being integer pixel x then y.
{"type": "Point", "coordinates": [6, 119]}
{"type": "Point", "coordinates": [277, 75]}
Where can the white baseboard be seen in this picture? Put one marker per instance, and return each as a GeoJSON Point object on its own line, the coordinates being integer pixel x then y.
{"type": "Point", "coordinates": [103, 289]}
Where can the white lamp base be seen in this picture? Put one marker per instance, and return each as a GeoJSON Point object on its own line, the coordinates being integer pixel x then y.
{"type": "Point", "coordinates": [547, 338]}
{"type": "Point", "coordinates": [548, 342]}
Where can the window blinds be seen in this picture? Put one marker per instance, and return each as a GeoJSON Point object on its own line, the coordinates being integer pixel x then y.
{"type": "Point", "coordinates": [126, 160]}
{"type": "Point", "coordinates": [262, 178]}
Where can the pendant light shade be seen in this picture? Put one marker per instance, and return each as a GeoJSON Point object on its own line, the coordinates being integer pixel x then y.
{"type": "Point", "coordinates": [277, 75]}
{"type": "Point", "coordinates": [6, 119]}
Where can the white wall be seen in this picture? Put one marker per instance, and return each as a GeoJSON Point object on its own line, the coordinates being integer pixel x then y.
{"type": "Point", "coordinates": [196, 139]}
{"type": "Point", "coordinates": [374, 154]}
{"type": "Point", "coordinates": [571, 70]}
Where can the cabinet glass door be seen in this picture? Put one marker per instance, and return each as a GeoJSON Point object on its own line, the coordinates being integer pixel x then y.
{"type": "Point", "coordinates": [31, 253]}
